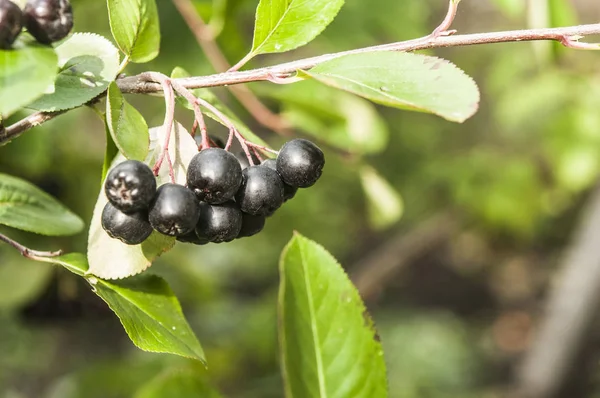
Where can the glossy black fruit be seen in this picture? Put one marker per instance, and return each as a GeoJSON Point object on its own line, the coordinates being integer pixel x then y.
{"type": "Point", "coordinates": [261, 192]}
{"type": "Point", "coordinates": [192, 238]}
{"type": "Point", "coordinates": [11, 23]}
{"type": "Point", "coordinates": [251, 225]}
{"type": "Point", "coordinates": [214, 175]}
{"type": "Point", "coordinates": [48, 20]}
{"type": "Point", "coordinates": [288, 191]}
{"type": "Point", "coordinates": [219, 223]}
{"type": "Point", "coordinates": [130, 186]}
{"type": "Point", "coordinates": [174, 211]}
{"type": "Point", "coordinates": [132, 228]}
{"type": "Point", "coordinates": [300, 163]}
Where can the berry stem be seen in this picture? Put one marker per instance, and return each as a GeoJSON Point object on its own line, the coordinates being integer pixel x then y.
{"type": "Point", "coordinates": [170, 163]}
{"type": "Point", "coordinates": [262, 148]}
{"type": "Point", "coordinates": [29, 253]}
{"type": "Point", "coordinates": [169, 117]}
{"type": "Point", "coordinates": [257, 154]}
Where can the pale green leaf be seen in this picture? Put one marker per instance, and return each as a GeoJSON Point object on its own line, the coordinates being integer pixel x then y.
{"type": "Point", "coordinates": [112, 259]}
{"type": "Point", "coordinates": [88, 64]}
{"type": "Point", "coordinates": [283, 25]}
{"type": "Point", "coordinates": [328, 344]}
{"type": "Point", "coordinates": [25, 74]}
{"type": "Point", "coordinates": [181, 383]}
{"type": "Point", "coordinates": [24, 206]}
{"type": "Point", "coordinates": [135, 27]}
{"type": "Point", "coordinates": [384, 203]}
{"type": "Point", "coordinates": [403, 80]}
{"type": "Point", "coordinates": [127, 126]}
{"type": "Point", "coordinates": [21, 280]}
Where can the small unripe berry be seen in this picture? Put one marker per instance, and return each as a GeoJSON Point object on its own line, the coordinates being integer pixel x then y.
{"type": "Point", "coordinates": [261, 192]}
{"type": "Point", "coordinates": [219, 223]}
{"type": "Point", "coordinates": [11, 23]}
{"type": "Point", "coordinates": [174, 210]}
{"type": "Point", "coordinates": [251, 225]}
{"type": "Point", "coordinates": [131, 228]}
{"type": "Point", "coordinates": [300, 163]}
{"type": "Point", "coordinates": [288, 191]}
{"type": "Point", "coordinates": [48, 20]}
{"type": "Point", "coordinates": [214, 175]}
{"type": "Point", "coordinates": [130, 186]}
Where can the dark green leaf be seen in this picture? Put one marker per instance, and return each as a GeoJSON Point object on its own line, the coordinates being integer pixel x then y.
{"type": "Point", "coordinates": [403, 80]}
{"type": "Point", "coordinates": [25, 74]}
{"type": "Point", "coordinates": [135, 27]}
{"type": "Point", "coordinates": [26, 207]}
{"type": "Point", "coordinates": [183, 383]}
{"type": "Point", "coordinates": [110, 151]}
{"type": "Point", "coordinates": [283, 25]}
{"type": "Point", "coordinates": [328, 344]}
{"type": "Point", "coordinates": [127, 126]}
{"type": "Point", "coordinates": [88, 64]}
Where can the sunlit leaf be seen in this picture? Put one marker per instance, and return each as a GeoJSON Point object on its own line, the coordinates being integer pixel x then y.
{"type": "Point", "coordinates": [385, 204]}
{"type": "Point", "coordinates": [135, 27]}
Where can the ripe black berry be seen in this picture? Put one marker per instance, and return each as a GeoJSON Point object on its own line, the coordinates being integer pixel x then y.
{"type": "Point", "coordinates": [48, 20]}
{"type": "Point", "coordinates": [251, 225]}
{"type": "Point", "coordinates": [130, 186]}
{"type": "Point", "coordinates": [261, 192]}
{"type": "Point", "coordinates": [193, 238]}
{"type": "Point", "coordinates": [214, 175]}
{"type": "Point", "coordinates": [132, 228]}
{"type": "Point", "coordinates": [300, 163]}
{"type": "Point", "coordinates": [174, 210]}
{"type": "Point", "coordinates": [288, 191]}
{"type": "Point", "coordinates": [11, 23]}
{"type": "Point", "coordinates": [219, 223]}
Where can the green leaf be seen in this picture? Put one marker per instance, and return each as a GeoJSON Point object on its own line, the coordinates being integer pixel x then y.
{"type": "Point", "coordinates": [283, 25]}
{"type": "Point", "coordinates": [135, 27]}
{"type": "Point", "coordinates": [328, 344]}
{"type": "Point", "coordinates": [403, 80]}
{"type": "Point", "coordinates": [127, 126]}
{"type": "Point", "coordinates": [147, 308]}
{"type": "Point", "coordinates": [110, 151]}
{"type": "Point", "coordinates": [182, 383]}
{"type": "Point", "coordinates": [112, 259]}
{"type": "Point", "coordinates": [21, 280]}
{"type": "Point", "coordinates": [385, 204]}
{"type": "Point", "coordinates": [25, 74]}
{"type": "Point", "coordinates": [208, 96]}
{"type": "Point", "coordinates": [340, 119]}
{"type": "Point", "coordinates": [88, 64]}
{"type": "Point", "coordinates": [24, 206]}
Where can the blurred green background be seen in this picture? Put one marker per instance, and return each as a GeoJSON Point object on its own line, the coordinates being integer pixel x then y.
{"type": "Point", "coordinates": [454, 318]}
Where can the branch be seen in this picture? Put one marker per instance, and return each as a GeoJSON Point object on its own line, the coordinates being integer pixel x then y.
{"type": "Point", "coordinates": [26, 252]}
{"type": "Point", "coordinates": [568, 36]}
{"type": "Point", "coordinates": [215, 56]}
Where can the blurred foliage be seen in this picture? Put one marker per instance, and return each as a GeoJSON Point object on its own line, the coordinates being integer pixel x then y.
{"type": "Point", "coordinates": [516, 174]}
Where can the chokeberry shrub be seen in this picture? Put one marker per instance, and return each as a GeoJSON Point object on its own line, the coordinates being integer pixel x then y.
{"type": "Point", "coordinates": [181, 183]}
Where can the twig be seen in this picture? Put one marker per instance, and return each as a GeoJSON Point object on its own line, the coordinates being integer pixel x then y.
{"type": "Point", "coordinates": [568, 36]}
{"type": "Point", "coordinates": [26, 252]}
{"type": "Point", "coordinates": [571, 309]}
{"type": "Point", "coordinates": [215, 56]}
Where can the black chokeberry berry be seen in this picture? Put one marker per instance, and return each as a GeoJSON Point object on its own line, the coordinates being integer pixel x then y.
{"type": "Point", "coordinates": [131, 228]}
{"type": "Point", "coordinates": [261, 192]}
{"type": "Point", "coordinates": [130, 186]}
{"type": "Point", "coordinates": [11, 23]}
{"type": "Point", "coordinates": [193, 238]}
{"type": "Point", "coordinates": [219, 223]}
{"type": "Point", "coordinates": [251, 225]}
{"type": "Point", "coordinates": [214, 175]}
{"type": "Point", "coordinates": [174, 210]}
{"type": "Point", "coordinates": [288, 191]}
{"type": "Point", "coordinates": [48, 20]}
{"type": "Point", "coordinates": [300, 163]}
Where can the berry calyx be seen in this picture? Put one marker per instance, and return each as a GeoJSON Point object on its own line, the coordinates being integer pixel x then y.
{"type": "Point", "coordinates": [251, 225]}
{"type": "Point", "coordinates": [261, 192]}
{"type": "Point", "coordinates": [288, 191]}
{"type": "Point", "coordinates": [48, 20]}
{"type": "Point", "coordinates": [130, 186]}
{"type": "Point", "coordinates": [174, 211]}
{"type": "Point", "coordinates": [219, 223]}
{"type": "Point", "coordinates": [11, 23]}
{"type": "Point", "coordinates": [300, 163]}
{"type": "Point", "coordinates": [131, 228]}
{"type": "Point", "coordinates": [214, 175]}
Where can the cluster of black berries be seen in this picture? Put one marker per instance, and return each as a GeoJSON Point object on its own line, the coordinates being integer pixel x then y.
{"type": "Point", "coordinates": [222, 201]}
{"type": "Point", "coordinates": [47, 20]}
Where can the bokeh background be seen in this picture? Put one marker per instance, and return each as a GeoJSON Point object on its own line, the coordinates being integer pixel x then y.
{"type": "Point", "coordinates": [455, 234]}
